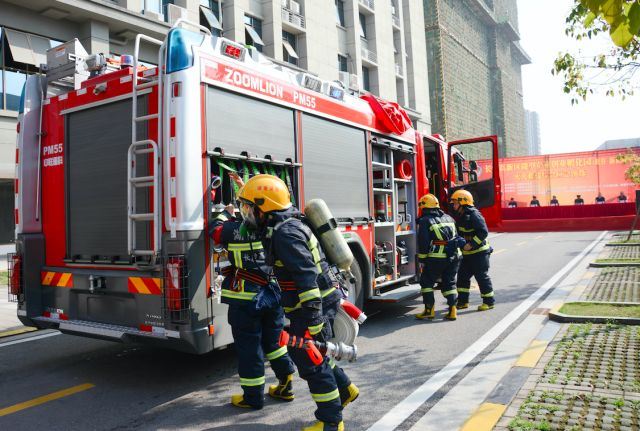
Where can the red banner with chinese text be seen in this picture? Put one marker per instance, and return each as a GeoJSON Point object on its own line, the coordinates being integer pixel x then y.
{"type": "Point", "coordinates": [563, 175]}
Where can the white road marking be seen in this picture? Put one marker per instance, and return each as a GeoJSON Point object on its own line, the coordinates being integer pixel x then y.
{"type": "Point", "coordinates": [24, 340]}
{"type": "Point", "coordinates": [406, 407]}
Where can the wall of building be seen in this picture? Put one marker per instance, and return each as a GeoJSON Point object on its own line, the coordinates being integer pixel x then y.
{"type": "Point", "coordinates": [474, 74]}
{"type": "Point", "coordinates": [110, 27]}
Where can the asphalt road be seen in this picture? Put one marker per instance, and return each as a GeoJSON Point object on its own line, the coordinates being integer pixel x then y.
{"type": "Point", "coordinates": [145, 388]}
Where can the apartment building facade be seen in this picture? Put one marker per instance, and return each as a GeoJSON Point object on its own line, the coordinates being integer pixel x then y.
{"type": "Point", "coordinates": [375, 46]}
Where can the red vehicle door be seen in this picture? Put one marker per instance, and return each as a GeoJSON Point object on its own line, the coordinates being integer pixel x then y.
{"type": "Point", "coordinates": [473, 166]}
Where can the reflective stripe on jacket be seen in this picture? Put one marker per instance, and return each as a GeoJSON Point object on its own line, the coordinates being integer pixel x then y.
{"type": "Point", "coordinates": [473, 228]}
{"type": "Point", "coordinates": [435, 230]}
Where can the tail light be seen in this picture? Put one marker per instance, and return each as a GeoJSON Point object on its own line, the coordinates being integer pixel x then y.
{"type": "Point", "coordinates": [15, 276]}
{"type": "Point", "coordinates": [173, 283]}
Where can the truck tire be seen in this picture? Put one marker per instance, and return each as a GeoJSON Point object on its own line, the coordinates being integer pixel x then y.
{"type": "Point", "coordinates": [355, 291]}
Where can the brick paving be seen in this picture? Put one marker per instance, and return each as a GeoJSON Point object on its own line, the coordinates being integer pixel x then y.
{"type": "Point", "coordinates": [624, 252]}
{"type": "Point", "coordinates": [588, 379]}
{"type": "Point", "coordinates": [614, 285]}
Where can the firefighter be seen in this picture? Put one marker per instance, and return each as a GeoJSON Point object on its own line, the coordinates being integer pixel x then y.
{"type": "Point", "coordinates": [439, 255]}
{"type": "Point", "coordinates": [298, 265]}
{"type": "Point", "coordinates": [475, 253]}
{"type": "Point", "coordinates": [256, 330]}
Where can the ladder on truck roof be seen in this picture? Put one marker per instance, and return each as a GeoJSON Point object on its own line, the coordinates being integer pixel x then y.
{"type": "Point", "coordinates": [144, 147]}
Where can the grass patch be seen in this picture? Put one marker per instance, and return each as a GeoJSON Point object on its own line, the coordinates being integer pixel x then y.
{"type": "Point", "coordinates": [4, 278]}
{"type": "Point", "coordinates": [620, 260]}
{"type": "Point", "coordinates": [600, 309]}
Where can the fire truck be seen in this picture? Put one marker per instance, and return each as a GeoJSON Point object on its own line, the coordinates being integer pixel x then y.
{"type": "Point", "coordinates": [118, 171]}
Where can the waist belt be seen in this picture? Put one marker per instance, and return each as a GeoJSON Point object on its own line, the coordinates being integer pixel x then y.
{"type": "Point", "coordinates": [468, 237]}
{"type": "Point", "coordinates": [243, 274]}
{"type": "Point", "coordinates": [439, 242]}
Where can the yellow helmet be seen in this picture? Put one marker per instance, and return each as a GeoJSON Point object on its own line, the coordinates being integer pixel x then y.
{"type": "Point", "coordinates": [267, 192]}
{"type": "Point", "coordinates": [428, 201]}
{"type": "Point", "coordinates": [463, 197]}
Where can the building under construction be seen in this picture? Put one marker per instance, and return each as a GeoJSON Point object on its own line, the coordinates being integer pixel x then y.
{"type": "Point", "coordinates": [475, 79]}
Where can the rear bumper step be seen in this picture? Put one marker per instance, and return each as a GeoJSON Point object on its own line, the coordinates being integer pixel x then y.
{"type": "Point", "coordinates": [398, 295]}
{"type": "Point", "coordinates": [106, 330]}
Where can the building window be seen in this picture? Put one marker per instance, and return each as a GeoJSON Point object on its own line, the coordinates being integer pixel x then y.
{"type": "Point", "coordinates": [253, 32]}
{"type": "Point", "coordinates": [289, 47]}
{"type": "Point", "coordinates": [20, 55]}
{"type": "Point", "coordinates": [366, 83]}
{"type": "Point", "coordinates": [340, 12]}
{"type": "Point", "coordinates": [363, 26]}
{"type": "Point", "coordinates": [342, 63]}
{"type": "Point", "coordinates": [157, 6]}
{"type": "Point", "coordinates": [210, 16]}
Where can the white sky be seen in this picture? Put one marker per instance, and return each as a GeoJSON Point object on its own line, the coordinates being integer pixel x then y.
{"type": "Point", "coordinates": [565, 128]}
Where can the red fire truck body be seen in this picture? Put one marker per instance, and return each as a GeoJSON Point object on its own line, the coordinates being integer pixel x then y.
{"type": "Point", "coordinates": [118, 176]}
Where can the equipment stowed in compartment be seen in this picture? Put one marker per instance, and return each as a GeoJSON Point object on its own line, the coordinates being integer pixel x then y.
{"type": "Point", "coordinates": [383, 259]}
{"type": "Point", "coordinates": [225, 191]}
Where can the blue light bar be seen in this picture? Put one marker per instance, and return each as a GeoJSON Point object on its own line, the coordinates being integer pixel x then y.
{"type": "Point", "coordinates": [179, 48]}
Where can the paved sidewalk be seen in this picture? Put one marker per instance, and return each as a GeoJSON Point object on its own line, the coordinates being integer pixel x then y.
{"type": "Point", "coordinates": [588, 378]}
{"type": "Point", "coordinates": [8, 318]}
{"type": "Point", "coordinates": [4, 250]}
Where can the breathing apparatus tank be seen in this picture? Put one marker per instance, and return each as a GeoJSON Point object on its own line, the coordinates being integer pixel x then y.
{"type": "Point", "coordinates": [325, 226]}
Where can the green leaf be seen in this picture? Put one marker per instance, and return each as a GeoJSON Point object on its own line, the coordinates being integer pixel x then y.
{"type": "Point", "coordinates": [593, 5]}
{"type": "Point", "coordinates": [589, 19]}
{"type": "Point", "coordinates": [620, 33]}
{"type": "Point", "coordinates": [611, 10]}
{"type": "Point", "coordinates": [634, 18]}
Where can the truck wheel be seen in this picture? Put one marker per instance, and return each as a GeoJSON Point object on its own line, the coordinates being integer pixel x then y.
{"type": "Point", "coordinates": [355, 290]}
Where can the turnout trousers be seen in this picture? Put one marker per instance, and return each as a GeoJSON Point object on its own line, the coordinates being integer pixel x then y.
{"type": "Point", "coordinates": [433, 270]}
{"type": "Point", "coordinates": [475, 265]}
{"type": "Point", "coordinates": [320, 378]}
{"type": "Point", "coordinates": [329, 313]}
{"type": "Point", "coordinates": [256, 335]}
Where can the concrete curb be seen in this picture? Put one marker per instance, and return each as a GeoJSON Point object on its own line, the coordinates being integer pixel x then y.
{"type": "Point", "coordinates": [614, 264]}
{"type": "Point", "coordinates": [623, 244]}
{"type": "Point", "coordinates": [557, 316]}
{"type": "Point", "coordinates": [502, 403]}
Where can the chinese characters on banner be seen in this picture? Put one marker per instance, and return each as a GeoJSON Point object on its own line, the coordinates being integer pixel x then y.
{"type": "Point", "coordinates": [562, 175]}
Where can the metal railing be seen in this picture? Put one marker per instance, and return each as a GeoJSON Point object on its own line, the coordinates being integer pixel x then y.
{"type": "Point", "coordinates": [293, 18]}
{"type": "Point", "coordinates": [367, 3]}
{"type": "Point", "coordinates": [396, 20]}
{"type": "Point", "coordinates": [369, 56]}
{"type": "Point", "coordinates": [398, 69]}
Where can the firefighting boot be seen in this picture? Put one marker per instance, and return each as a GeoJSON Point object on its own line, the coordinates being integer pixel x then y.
{"type": "Point", "coordinates": [452, 314]}
{"type": "Point", "coordinates": [283, 390]}
{"type": "Point", "coordinates": [238, 401]}
{"type": "Point", "coordinates": [462, 305]}
{"type": "Point", "coordinates": [428, 313]}
{"type": "Point", "coordinates": [348, 394]}
{"type": "Point", "coordinates": [485, 307]}
{"type": "Point", "coordinates": [325, 426]}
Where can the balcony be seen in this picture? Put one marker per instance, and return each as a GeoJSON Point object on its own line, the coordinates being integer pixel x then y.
{"type": "Point", "coordinates": [292, 19]}
{"type": "Point", "coordinates": [395, 20]}
{"type": "Point", "coordinates": [367, 4]}
{"type": "Point", "coordinates": [369, 56]}
{"type": "Point", "coordinates": [399, 70]}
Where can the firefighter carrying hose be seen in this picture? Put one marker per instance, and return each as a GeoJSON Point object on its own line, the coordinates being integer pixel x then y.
{"type": "Point", "coordinates": [297, 261]}
{"type": "Point", "coordinates": [439, 254]}
{"type": "Point", "coordinates": [475, 253]}
{"type": "Point", "coordinates": [256, 328]}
